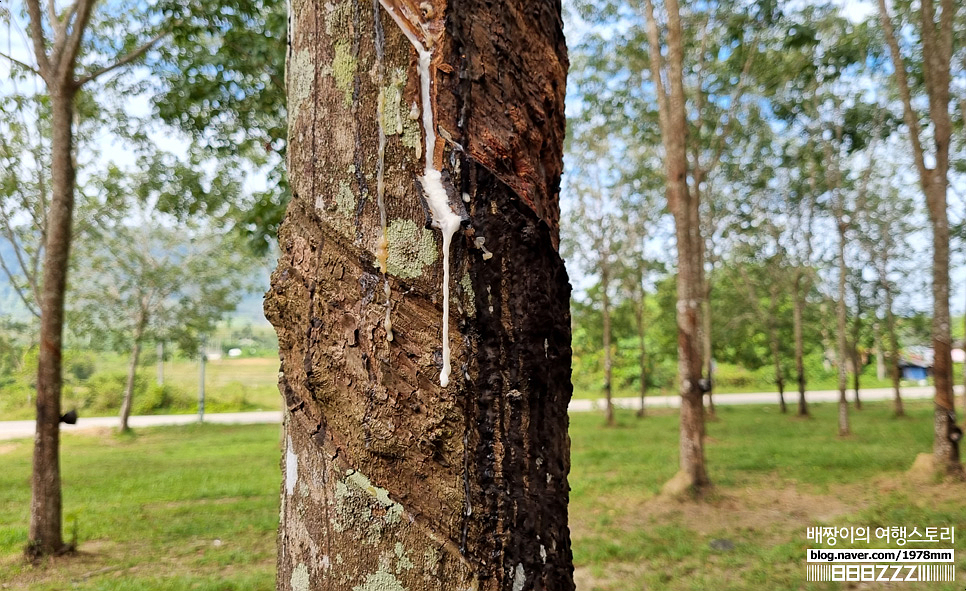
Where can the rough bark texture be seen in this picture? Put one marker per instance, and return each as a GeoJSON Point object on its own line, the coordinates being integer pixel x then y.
{"type": "Point", "coordinates": [45, 502]}
{"type": "Point", "coordinates": [392, 482]}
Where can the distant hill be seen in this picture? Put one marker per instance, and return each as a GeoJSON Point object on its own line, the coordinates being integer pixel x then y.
{"type": "Point", "coordinates": [249, 309]}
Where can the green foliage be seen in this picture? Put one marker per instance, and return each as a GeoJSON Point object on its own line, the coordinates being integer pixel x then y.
{"type": "Point", "coordinates": [220, 78]}
{"type": "Point", "coordinates": [151, 281]}
{"type": "Point", "coordinates": [79, 365]}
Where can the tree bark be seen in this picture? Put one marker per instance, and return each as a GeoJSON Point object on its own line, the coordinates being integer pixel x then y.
{"type": "Point", "coordinates": [45, 535]}
{"type": "Point", "coordinates": [391, 481]}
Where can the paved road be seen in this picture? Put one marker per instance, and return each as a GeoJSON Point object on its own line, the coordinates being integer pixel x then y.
{"type": "Point", "coordinates": [23, 429]}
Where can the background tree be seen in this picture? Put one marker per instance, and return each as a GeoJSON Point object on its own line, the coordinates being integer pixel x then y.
{"type": "Point", "coordinates": [62, 39]}
{"type": "Point", "coordinates": [599, 244]}
{"type": "Point", "coordinates": [136, 283]}
{"type": "Point", "coordinates": [931, 32]}
{"type": "Point", "coordinates": [465, 477]}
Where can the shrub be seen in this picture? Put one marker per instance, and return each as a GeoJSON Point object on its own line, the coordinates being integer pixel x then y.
{"type": "Point", "coordinates": [80, 365]}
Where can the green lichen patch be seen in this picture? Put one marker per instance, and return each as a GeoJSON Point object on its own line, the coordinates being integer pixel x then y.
{"type": "Point", "coordinates": [393, 509]}
{"type": "Point", "coordinates": [364, 510]}
{"type": "Point", "coordinates": [402, 561]}
{"type": "Point", "coordinates": [411, 249]}
{"type": "Point", "coordinates": [345, 200]}
{"type": "Point", "coordinates": [469, 297]}
{"type": "Point", "coordinates": [338, 17]}
{"type": "Point", "coordinates": [392, 116]}
{"type": "Point", "coordinates": [300, 76]}
{"type": "Point", "coordinates": [300, 578]}
{"type": "Point", "coordinates": [344, 65]}
{"type": "Point", "coordinates": [380, 581]}
{"type": "Point", "coordinates": [412, 135]}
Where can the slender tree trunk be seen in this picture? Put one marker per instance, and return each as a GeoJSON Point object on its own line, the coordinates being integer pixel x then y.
{"type": "Point", "coordinates": [937, 44]}
{"type": "Point", "coordinates": [797, 313]}
{"type": "Point", "coordinates": [45, 504]}
{"type": "Point", "coordinates": [642, 357]}
{"type": "Point", "coordinates": [893, 345]}
{"type": "Point", "coordinates": [160, 363]}
{"type": "Point", "coordinates": [880, 363]}
{"type": "Point", "coordinates": [686, 210]}
{"type": "Point", "coordinates": [391, 480]}
{"type": "Point", "coordinates": [946, 452]}
{"type": "Point", "coordinates": [779, 375]}
{"type": "Point", "coordinates": [706, 337]}
{"type": "Point", "coordinates": [129, 385]}
{"type": "Point", "coordinates": [854, 353]}
{"type": "Point", "coordinates": [132, 371]}
{"type": "Point", "coordinates": [608, 362]}
{"type": "Point", "coordinates": [840, 354]}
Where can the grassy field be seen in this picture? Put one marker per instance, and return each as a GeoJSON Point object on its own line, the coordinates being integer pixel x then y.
{"type": "Point", "coordinates": [196, 507]}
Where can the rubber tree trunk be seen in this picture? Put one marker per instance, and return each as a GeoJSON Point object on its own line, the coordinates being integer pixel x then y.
{"type": "Point", "coordinates": [132, 372]}
{"type": "Point", "coordinates": [390, 480]}
{"type": "Point", "coordinates": [854, 353]}
{"type": "Point", "coordinates": [775, 344]}
{"type": "Point", "coordinates": [797, 314]}
{"type": "Point", "coordinates": [880, 362]}
{"type": "Point", "coordinates": [608, 360]}
{"type": "Point", "coordinates": [129, 386]}
{"type": "Point", "coordinates": [840, 328]}
{"type": "Point", "coordinates": [945, 451]}
{"type": "Point", "coordinates": [779, 374]}
{"type": "Point", "coordinates": [706, 345]}
{"type": "Point", "coordinates": [45, 535]}
{"type": "Point", "coordinates": [687, 232]}
{"type": "Point", "coordinates": [642, 353]}
{"type": "Point", "coordinates": [160, 349]}
{"type": "Point", "coordinates": [893, 347]}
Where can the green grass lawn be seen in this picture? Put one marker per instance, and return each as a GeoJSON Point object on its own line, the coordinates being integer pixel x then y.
{"type": "Point", "coordinates": [196, 507]}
